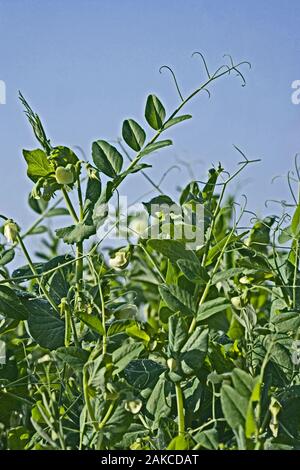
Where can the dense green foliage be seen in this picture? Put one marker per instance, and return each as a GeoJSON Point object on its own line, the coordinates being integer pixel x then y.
{"type": "Point", "coordinates": [152, 345]}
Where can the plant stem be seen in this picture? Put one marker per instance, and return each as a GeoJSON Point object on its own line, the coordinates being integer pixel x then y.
{"type": "Point", "coordinates": [70, 205]}
{"type": "Point", "coordinates": [180, 409]}
{"type": "Point", "coordinates": [88, 401]}
{"type": "Point", "coordinates": [107, 415]}
{"type": "Point", "coordinates": [104, 340]}
{"type": "Point", "coordinates": [34, 271]}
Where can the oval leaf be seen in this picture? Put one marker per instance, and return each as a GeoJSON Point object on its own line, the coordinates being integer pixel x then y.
{"type": "Point", "coordinates": [133, 134]}
{"type": "Point", "coordinates": [107, 158]}
{"type": "Point", "coordinates": [155, 112]}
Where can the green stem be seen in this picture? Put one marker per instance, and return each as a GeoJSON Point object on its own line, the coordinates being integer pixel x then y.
{"type": "Point", "coordinates": [180, 409]}
{"type": "Point", "coordinates": [104, 339]}
{"type": "Point", "coordinates": [34, 271]}
{"type": "Point", "coordinates": [107, 415]}
{"type": "Point", "coordinates": [87, 400]}
{"type": "Point", "coordinates": [79, 246]}
{"type": "Point", "coordinates": [70, 205]}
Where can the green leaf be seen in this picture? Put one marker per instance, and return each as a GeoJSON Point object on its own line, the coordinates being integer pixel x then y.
{"type": "Point", "coordinates": [155, 112]}
{"type": "Point", "coordinates": [176, 120]}
{"type": "Point", "coordinates": [285, 235]}
{"type": "Point", "coordinates": [207, 439]}
{"type": "Point", "coordinates": [211, 307]}
{"type": "Point", "coordinates": [286, 321]}
{"type": "Point", "coordinates": [92, 321]}
{"type": "Point", "coordinates": [228, 274]}
{"type": "Point", "coordinates": [118, 423]}
{"type": "Point", "coordinates": [135, 331]}
{"type": "Point", "coordinates": [76, 233]}
{"type": "Point", "coordinates": [178, 299]}
{"type": "Point", "coordinates": [63, 156]}
{"type": "Point", "coordinates": [44, 325]}
{"type": "Point", "coordinates": [156, 404]}
{"type": "Point", "coordinates": [6, 257]}
{"type": "Point", "coordinates": [133, 134]}
{"type": "Point", "coordinates": [193, 271]}
{"type": "Point", "coordinates": [242, 382]}
{"type": "Point", "coordinates": [143, 373]}
{"type": "Point", "coordinates": [295, 226]}
{"type": "Point", "coordinates": [227, 240]}
{"type": "Point", "coordinates": [107, 158]}
{"type": "Point", "coordinates": [177, 334]}
{"type": "Point", "coordinates": [10, 304]}
{"type": "Point", "coordinates": [37, 205]}
{"type": "Point", "coordinates": [38, 164]}
{"type": "Point", "coordinates": [162, 200]}
{"type": "Point", "coordinates": [119, 326]}
{"type": "Point", "coordinates": [122, 356]}
{"type": "Point", "coordinates": [172, 249]}
{"type": "Point", "coordinates": [73, 356]}
{"type": "Point", "coordinates": [234, 406]}
{"type": "Point", "coordinates": [93, 192]}
{"type": "Point", "coordinates": [194, 351]}
{"type": "Point", "coordinates": [154, 147]}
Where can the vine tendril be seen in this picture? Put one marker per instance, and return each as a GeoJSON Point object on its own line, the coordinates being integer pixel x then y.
{"type": "Point", "coordinates": [174, 77]}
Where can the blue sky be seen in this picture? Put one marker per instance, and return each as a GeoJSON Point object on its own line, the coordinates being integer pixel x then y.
{"type": "Point", "coordinates": [85, 65]}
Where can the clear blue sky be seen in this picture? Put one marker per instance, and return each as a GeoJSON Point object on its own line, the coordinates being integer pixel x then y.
{"type": "Point", "coordinates": [85, 65]}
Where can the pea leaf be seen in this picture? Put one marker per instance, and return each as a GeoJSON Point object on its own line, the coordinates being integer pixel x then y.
{"type": "Point", "coordinates": [177, 299]}
{"type": "Point", "coordinates": [44, 325]}
{"type": "Point", "coordinates": [211, 307]}
{"type": "Point", "coordinates": [143, 373]}
{"type": "Point", "coordinates": [176, 120]}
{"type": "Point", "coordinates": [122, 356]}
{"type": "Point", "coordinates": [93, 192]}
{"type": "Point", "coordinates": [156, 146]}
{"type": "Point", "coordinates": [295, 226]}
{"type": "Point", "coordinates": [76, 233]}
{"type": "Point", "coordinates": [156, 405]}
{"type": "Point", "coordinates": [172, 249]}
{"type": "Point", "coordinates": [155, 112]}
{"type": "Point", "coordinates": [92, 321]}
{"type": "Point", "coordinates": [11, 305]}
{"type": "Point", "coordinates": [6, 257]}
{"type": "Point", "coordinates": [194, 351]}
{"type": "Point", "coordinates": [75, 357]}
{"type": "Point", "coordinates": [193, 271]}
{"type": "Point", "coordinates": [38, 164]}
{"type": "Point", "coordinates": [234, 406]}
{"type": "Point", "coordinates": [177, 334]}
{"type": "Point", "coordinates": [107, 158]}
{"type": "Point", "coordinates": [133, 134]}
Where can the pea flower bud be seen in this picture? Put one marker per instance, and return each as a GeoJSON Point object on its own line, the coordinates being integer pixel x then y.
{"type": "Point", "coordinates": [236, 302]}
{"type": "Point", "coordinates": [11, 231]}
{"type": "Point", "coordinates": [172, 364]}
{"type": "Point", "coordinates": [64, 175]}
{"type": "Point", "coordinates": [134, 406]}
{"type": "Point", "coordinates": [119, 261]}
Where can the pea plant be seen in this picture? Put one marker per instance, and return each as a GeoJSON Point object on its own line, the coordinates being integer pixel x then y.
{"type": "Point", "coordinates": [153, 344]}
